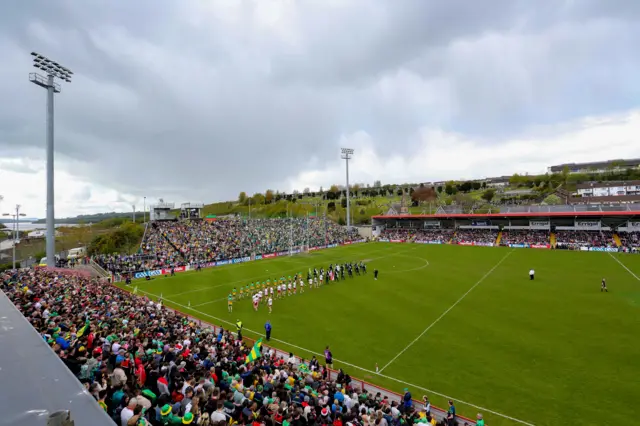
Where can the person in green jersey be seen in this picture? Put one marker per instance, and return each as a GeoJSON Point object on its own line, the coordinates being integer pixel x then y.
{"type": "Point", "coordinates": [230, 302]}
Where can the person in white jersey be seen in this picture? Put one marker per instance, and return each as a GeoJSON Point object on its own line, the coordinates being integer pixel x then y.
{"type": "Point", "coordinates": [531, 274]}
{"type": "Point", "coordinates": [270, 303]}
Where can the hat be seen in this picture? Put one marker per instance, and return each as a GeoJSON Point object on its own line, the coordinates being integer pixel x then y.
{"type": "Point", "coordinates": [165, 410]}
{"type": "Point", "coordinates": [187, 419]}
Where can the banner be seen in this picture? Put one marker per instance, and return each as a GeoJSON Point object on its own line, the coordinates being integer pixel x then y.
{"type": "Point", "coordinates": [465, 243]}
{"type": "Point", "coordinates": [383, 240]}
{"type": "Point", "coordinates": [431, 224]}
{"type": "Point", "coordinates": [483, 244]}
{"type": "Point", "coordinates": [314, 248]}
{"type": "Point", "coordinates": [588, 224]}
{"type": "Point", "coordinates": [480, 223]}
{"type": "Point", "coordinates": [258, 257]}
{"type": "Point", "coordinates": [605, 249]}
{"type": "Point", "coordinates": [396, 241]}
{"type": "Point", "coordinates": [540, 246]}
{"type": "Point", "coordinates": [222, 262]}
{"type": "Point", "coordinates": [148, 273]}
{"type": "Point", "coordinates": [584, 248]}
{"type": "Point", "coordinates": [346, 243]}
{"type": "Point", "coordinates": [428, 242]}
{"type": "Point", "coordinates": [167, 271]}
{"type": "Point", "coordinates": [332, 245]}
{"type": "Point", "coordinates": [519, 245]}
{"type": "Point", "coordinates": [234, 261]}
{"type": "Point", "coordinates": [296, 251]}
{"type": "Point", "coordinates": [539, 224]}
{"type": "Point", "coordinates": [269, 255]}
{"type": "Point", "coordinates": [282, 253]}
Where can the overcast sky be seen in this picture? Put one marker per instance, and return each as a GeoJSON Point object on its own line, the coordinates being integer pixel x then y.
{"type": "Point", "coordinates": [199, 100]}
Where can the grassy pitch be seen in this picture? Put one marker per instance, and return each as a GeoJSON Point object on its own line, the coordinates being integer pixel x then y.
{"type": "Point", "coordinates": [463, 322]}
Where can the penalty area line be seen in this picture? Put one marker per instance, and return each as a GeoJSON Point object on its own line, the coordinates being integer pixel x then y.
{"type": "Point", "coordinates": [447, 311]}
{"type": "Point", "coordinates": [402, 382]}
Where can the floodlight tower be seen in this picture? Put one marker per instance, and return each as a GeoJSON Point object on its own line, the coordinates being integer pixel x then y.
{"type": "Point", "coordinates": [16, 230]}
{"type": "Point", "coordinates": [53, 70]}
{"type": "Point", "coordinates": [346, 155]}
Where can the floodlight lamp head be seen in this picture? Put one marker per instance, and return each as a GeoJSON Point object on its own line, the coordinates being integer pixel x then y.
{"type": "Point", "coordinates": [347, 151]}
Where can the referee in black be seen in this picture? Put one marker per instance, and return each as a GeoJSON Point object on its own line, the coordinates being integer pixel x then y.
{"type": "Point", "coordinates": [375, 274]}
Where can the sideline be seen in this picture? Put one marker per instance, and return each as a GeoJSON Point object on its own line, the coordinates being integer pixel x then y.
{"type": "Point", "coordinates": [624, 266]}
{"type": "Point", "coordinates": [447, 311]}
{"type": "Point", "coordinates": [373, 373]}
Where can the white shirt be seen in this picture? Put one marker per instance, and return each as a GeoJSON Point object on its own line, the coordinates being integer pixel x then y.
{"type": "Point", "coordinates": [218, 416]}
{"type": "Point", "coordinates": [531, 272]}
{"type": "Point", "coordinates": [125, 415]}
{"type": "Point", "coordinates": [270, 301]}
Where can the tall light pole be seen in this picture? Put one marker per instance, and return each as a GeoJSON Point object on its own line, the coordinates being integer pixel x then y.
{"type": "Point", "coordinates": [16, 218]}
{"type": "Point", "coordinates": [53, 70]}
{"type": "Point", "coordinates": [134, 213]}
{"type": "Point", "coordinates": [346, 155]}
{"type": "Point", "coordinates": [144, 209]}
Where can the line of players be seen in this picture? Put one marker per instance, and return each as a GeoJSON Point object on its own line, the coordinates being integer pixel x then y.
{"type": "Point", "coordinates": [264, 292]}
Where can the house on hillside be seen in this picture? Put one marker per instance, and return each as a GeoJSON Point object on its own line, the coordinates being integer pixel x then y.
{"type": "Point", "coordinates": [597, 166]}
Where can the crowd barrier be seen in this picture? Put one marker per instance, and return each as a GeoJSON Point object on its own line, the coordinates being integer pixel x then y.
{"type": "Point", "coordinates": [356, 383]}
{"type": "Point", "coordinates": [177, 269]}
{"type": "Point", "coordinates": [525, 245]}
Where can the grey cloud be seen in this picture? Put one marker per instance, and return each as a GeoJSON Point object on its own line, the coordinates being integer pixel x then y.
{"type": "Point", "coordinates": [187, 104]}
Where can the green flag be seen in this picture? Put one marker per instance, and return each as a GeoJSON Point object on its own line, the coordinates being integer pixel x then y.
{"type": "Point", "coordinates": [255, 352]}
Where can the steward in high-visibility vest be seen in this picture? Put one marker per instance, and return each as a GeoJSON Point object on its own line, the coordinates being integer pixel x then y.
{"type": "Point", "coordinates": [239, 329]}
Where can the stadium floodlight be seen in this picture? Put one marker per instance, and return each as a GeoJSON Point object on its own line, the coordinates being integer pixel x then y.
{"type": "Point", "coordinates": [53, 70]}
{"type": "Point", "coordinates": [346, 155]}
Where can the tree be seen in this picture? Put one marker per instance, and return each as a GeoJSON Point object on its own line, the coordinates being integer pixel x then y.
{"type": "Point", "coordinates": [439, 189]}
{"type": "Point", "coordinates": [476, 186]}
{"type": "Point", "coordinates": [268, 196]}
{"type": "Point", "coordinates": [484, 185]}
{"type": "Point", "coordinates": [377, 184]}
{"type": "Point", "coordinates": [343, 203]}
{"type": "Point", "coordinates": [331, 207]}
{"type": "Point", "coordinates": [552, 200]}
{"type": "Point", "coordinates": [515, 180]}
{"type": "Point", "coordinates": [399, 193]}
{"type": "Point", "coordinates": [488, 195]}
{"type": "Point", "coordinates": [257, 199]}
{"type": "Point", "coordinates": [450, 189]}
{"type": "Point", "coordinates": [242, 197]}
{"type": "Point", "coordinates": [306, 191]}
{"type": "Point", "coordinates": [334, 189]}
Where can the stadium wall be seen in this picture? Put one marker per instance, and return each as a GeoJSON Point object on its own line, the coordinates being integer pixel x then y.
{"type": "Point", "coordinates": [371, 388]}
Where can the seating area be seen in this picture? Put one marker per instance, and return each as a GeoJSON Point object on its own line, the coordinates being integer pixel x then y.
{"type": "Point", "coordinates": [168, 244]}
{"type": "Point", "coordinates": [147, 365]}
{"type": "Point", "coordinates": [440, 235]}
{"type": "Point", "coordinates": [630, 239]}
{"type": "Point", "coordinates": [481, 236]}
{"type": "Point", "coordinates": [531, 237]}
{"type": "Point", "coordinates": [584, 239]}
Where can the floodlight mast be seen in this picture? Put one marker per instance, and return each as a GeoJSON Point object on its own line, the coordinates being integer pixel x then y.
{"type": "Point", "coordinates": [346, 155]}
{"type": "Point", "coordinates": [53, 70]}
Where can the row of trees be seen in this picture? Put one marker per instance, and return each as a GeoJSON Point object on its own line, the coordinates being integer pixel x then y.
{"type": "Point", "coordinates": [125, 238]}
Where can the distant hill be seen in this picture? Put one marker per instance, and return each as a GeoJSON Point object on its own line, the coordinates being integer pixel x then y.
{"type": "Point", "coordinates": [23, 219]}
{"type": "Point", "coordinates": [90, 218]}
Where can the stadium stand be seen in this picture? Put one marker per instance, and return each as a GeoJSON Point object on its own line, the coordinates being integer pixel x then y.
{"type": "Point", "coordinates": [171, 244]}
{"type": "Point", "coordinates": [629, 239]}
{"type": "Point", "coordinates": [535, 237]}
{"type": "Point", "coordinates": [148, 365]}
{"type": "Point", "coordinates": [476, 236]}
{"type": "Point", "coordinates": [576, 239]}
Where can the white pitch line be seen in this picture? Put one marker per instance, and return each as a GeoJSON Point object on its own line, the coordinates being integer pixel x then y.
{"type": "Point", "coordinates": [446, 312]}
{"type": "Point", "coordinates": [402, 382]}
{"type": "Point", "coordinates": [624, 266]}
{"type": "Point", "coordinates": [209, 302]}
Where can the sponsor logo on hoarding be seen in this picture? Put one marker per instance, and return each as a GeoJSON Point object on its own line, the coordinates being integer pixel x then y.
{"type": "Point", "coordinates": [383, 240]}
{"type": "Point", "coordinates": [396, 241]}
{"type": "Point", "coordinates": [246, 258]}
{"type": "Point", "coordinates": [148, 273]}
{"type": "Point", "coordinates": [483, 244]}
{"type": "Point", "coordinates": [332, 245]}
{"type": "Point", "coordinates": [539, 223]}
{"type": "Point", "coordinates": [176, 269]}
{"type": "Point", "coordinates": [236, 261]}
{"type": "Point", "coordinates": [282, 253]}
{"type": "Point", "coordinates": [465, 243]}
{"type": "Point", "coordinates": [269, 255]}
{"type": "Point", "coordinates": [542, 246]}
{"type": "Point", "coordinates": [222, 262]}
{"type": "Point", "coordinates": [518, 245]}
{"type": "Point", "coordinates": [480, 223]}
{"type": "Point", "coordinates": [584, 248]}
{"type": "Point", "coordinates": [296, 251]}
{"type": "Point", "coordinates": [258, 257]}
{"type": "Point", "coordinates": [606, 249]}
{"type": "Point", "coordinates": [588, 224]}
{"type": "Point", "coordinates": [346, 243]}
{"type": "Point", "coordinates": [428, 242]}
{"type": "Point", "coordinates": [314, 248]}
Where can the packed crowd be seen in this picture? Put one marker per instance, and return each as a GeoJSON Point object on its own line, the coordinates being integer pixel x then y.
{"type": "Point", "coordinates": [525, 236]}
{"type": "Point", "coordinates": [169, 244]}
{"type": "Point", "coordinates": [629, 239]}
{"type": "Point", "coordinates": [440, 235]}
{"type": "Point", "coordinates": [147, 365]}
{"type": "Point", "coordinates": [585, 239]}
{"type": "Point", "coordinates": [482, 236]}
{"type": "Point", "coordinates": [398, 234]}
